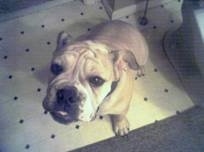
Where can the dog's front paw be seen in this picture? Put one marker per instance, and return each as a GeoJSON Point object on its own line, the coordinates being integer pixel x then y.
{"type": "Point", "coordinates": [120, 125]}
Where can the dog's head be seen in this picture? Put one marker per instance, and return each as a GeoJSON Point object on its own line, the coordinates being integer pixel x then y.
{"type": "Point", "coordinates": [85, 73]}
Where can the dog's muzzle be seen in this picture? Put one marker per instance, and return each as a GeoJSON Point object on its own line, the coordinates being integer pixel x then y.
{"type": "Point", "coordinates": [66, 107]}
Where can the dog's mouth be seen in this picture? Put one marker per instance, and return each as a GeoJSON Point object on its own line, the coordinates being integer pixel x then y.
{"type": "Point", "coordinates": [62, 117]}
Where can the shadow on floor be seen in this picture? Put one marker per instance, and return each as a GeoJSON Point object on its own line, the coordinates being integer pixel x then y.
{"type": "Point", "coordinates": [181, 133]}
{"type": "Point", "coordinates": [8, 6]}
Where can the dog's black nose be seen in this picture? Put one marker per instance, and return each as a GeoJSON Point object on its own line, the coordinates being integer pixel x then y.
{"type": "Point", "coordinates": [67, 95]}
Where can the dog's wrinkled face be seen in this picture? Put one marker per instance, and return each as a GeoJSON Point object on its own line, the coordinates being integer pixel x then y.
{"type": "Point", "coordinates": [83, 75]}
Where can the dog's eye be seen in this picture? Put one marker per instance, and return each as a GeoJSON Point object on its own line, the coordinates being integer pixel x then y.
{"type": "Point", "coordinates": [56, 69]}
{"type": "Point", "coordinates": [96, 81]}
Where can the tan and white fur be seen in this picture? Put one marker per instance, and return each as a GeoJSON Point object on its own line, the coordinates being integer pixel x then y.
{"type": "Point", "coordinates": [111, 52]}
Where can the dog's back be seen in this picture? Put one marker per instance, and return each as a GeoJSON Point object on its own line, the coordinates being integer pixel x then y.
{"type": "Point", "coordinates": [118, 35]}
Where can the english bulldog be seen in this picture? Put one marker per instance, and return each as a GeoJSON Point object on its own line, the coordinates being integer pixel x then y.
{"type": "Point", "coordinates": [94, 74]}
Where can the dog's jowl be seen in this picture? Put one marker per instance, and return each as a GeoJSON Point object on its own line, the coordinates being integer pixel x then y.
{"type": "Point", "coordinates": [93, 74]}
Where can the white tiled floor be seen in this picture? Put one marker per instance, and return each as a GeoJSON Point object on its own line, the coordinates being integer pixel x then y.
{"type": "Point", "coordinates": [25, 126]}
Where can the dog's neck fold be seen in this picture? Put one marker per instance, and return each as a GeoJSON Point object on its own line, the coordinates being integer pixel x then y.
{"type": "Point", "coordinates": [121, 93]}
{"type": "Point", "coordinates": [113, 87]}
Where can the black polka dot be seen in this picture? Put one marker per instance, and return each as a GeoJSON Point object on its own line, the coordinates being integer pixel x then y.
{"type": "Point", "coordinates": [32, 69]}
{"type": "Point", "coordinates": [77, 126]}
{"type": "Point", "coordinates": [166, 90]}
{"type": "Point", "coordinates": [27, 50]}
{"type": "Point", "coordinates": [38, 89]}
{"type": "Point", "coordinates": [1, 38]}
{"type": "Point", "coordinates": [42, 26]}
{"type": "Point", "coordinates": [62, 19]}
{"type": "Point", "coordinates": [52, 136]}
{"type": "Point", "coordinates": [22, 32]}
{"type": "Point", "coordinates": [162, 6]}
{"type": "Point", "coordinates": [81, 13]}
{"type": "Point", "coordinates": [5, 57]}
{"type": "Point", "coordinates": [48, 43]}
{"type": "Point", "coordinates": [27, 146]}
{"type": "Point", "coordinates": [45, 112]}
{"type": "Point", "coordinates": [15, 98]}
{"type": "Point", "coordinates": [155, 70]}
{"type": "Point", "coordinates": [145, 99]}
{"type": "Point", "coordinates": [88, 29]}
{"type": "Point", "coordinates": [100, 117]}
{"type": "Point", "coordinates": [10, 76]}
{"type": "Point", "coordinates": [21, 121]}
{"type": "Point", "coordinates": [178, 112]}
{"type": "Point", "coordinates": [101, 7]}
{"type": "Point", "coordinates": [179, 0]}
{"type": "Point", "coordinates": [172, 21]}
{"type": "Point", "coordinates": [127, 17]}
{"type": "Point", "coordinates": [154, 27]}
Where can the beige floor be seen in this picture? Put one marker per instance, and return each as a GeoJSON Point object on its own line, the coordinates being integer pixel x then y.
{"type": "Point", "coordinates": [25, 45]}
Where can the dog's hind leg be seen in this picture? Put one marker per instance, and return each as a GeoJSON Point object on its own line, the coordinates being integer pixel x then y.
{"type": "Point", "coordinates": [140, 71]}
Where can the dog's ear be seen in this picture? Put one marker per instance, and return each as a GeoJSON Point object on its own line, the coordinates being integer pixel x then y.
{"type": "Point", "coordinates": [63, 40]}
{"type": "Point", "coordinates": [123, 60]}
{"type": "Point", "coordinates": [127, 56]}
